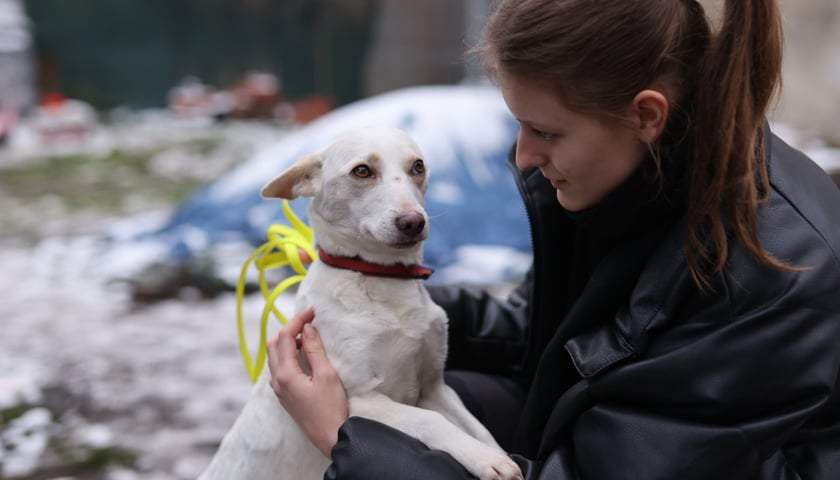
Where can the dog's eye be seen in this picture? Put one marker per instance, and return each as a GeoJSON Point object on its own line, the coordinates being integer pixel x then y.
{"type": "Point", "coordinates": [361, 171]}
{"type": "Point", "coordinates": [418, 168]}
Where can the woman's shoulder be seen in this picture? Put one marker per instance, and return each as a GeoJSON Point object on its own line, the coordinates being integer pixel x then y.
{"type": "Point", "coordinates": [802, 187]}
{"type": "Point", "coordinates": [799, 224]}
{"type": "Point", "coordinates": [801, 219]}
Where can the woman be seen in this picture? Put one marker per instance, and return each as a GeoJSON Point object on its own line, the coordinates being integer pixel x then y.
{"type": "Point", "coordinates": [682, 315]}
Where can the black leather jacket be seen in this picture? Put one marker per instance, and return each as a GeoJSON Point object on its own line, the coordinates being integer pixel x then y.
{"type": "Point", "coordinates": [642, 377]}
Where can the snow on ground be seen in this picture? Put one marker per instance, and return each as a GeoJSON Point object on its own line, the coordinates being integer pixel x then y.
{"type": "Point", "coordinates": [86, 375]}
{"type": "Point", "coordinates": [88, 378]}
{"type": "Point", "coordinates": [164, 380]}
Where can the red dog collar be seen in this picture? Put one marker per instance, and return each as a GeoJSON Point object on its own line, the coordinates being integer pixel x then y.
{"type": "Point", "coordinates": [375, 269]}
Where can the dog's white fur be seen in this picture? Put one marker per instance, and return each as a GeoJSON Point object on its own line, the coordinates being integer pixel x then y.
{"type": "Point", "coordinates": [385, 337]}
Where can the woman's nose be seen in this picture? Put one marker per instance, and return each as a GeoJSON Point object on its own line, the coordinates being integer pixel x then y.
{"type": "Point", "coordinates": [527, 156]}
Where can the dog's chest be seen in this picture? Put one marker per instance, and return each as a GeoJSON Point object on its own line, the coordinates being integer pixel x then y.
{"type": "Point", "coordinates": [380, 334]}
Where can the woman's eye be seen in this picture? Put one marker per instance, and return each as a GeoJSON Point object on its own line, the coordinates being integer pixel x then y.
{"type": "Point", "coordinates": [418, 168]}
{"type": "Point", "coordinates": [361, 171]}
{"type": "Point", "coordinates": [542, 135]}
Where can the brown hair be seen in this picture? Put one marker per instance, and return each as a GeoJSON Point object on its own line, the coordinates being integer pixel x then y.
{"type": "Point", "coordinates": [599, 54]}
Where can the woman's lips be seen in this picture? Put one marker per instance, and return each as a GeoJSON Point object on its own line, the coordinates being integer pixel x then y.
{"type": "Point", "coordinates": [557, 183]}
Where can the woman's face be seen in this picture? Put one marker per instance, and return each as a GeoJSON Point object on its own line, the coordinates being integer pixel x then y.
{"type": "Point", "coordinates": [582, 156]}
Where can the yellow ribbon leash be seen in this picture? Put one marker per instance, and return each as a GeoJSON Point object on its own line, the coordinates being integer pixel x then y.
{"type": "Point", "coordinates": [282, 247]}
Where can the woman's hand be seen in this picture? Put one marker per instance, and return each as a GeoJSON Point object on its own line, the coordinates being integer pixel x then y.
{"type": "Point", "coordinates": [317, 402]}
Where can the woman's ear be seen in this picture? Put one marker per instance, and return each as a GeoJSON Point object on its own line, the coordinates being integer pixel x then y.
{"type": "Point", "coordinates": [650, 113]}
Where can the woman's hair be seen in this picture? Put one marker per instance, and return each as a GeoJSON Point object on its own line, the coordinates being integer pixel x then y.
{"type": "Point", "coordinates": [598, 55]}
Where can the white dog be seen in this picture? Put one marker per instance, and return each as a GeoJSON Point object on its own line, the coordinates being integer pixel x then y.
{"type": "Point", "coordinates": [381, 331]}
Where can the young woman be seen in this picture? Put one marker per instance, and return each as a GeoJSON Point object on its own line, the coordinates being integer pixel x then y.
{"type": "Point", "coordinates": [682, 316]}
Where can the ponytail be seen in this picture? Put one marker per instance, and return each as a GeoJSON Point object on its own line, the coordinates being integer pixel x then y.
{"type": "Point", "coordinates": [737, 79]}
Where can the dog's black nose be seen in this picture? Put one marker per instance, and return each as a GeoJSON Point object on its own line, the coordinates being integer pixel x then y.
{"type": "Point", "coordinates": [411, 224]}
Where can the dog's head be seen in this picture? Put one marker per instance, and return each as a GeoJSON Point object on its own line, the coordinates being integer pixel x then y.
{"type": "Point", "coordinates": [368, 186]}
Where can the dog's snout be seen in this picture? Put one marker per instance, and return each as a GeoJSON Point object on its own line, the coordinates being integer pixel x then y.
{"type": "Point", "coordinates": [411, 223]}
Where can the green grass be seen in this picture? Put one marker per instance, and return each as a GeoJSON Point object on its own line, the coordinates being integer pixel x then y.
{"type": "Point", "coordinates": [14, 412]}
{"type": "Point", "coordinates": [73, 189]}
{"type": "Point", "coordinates": [80, 460]}
{"type": "Point", "coordinates": [70, 458]}
{"type": "Point", "coordinates": [91, 182]}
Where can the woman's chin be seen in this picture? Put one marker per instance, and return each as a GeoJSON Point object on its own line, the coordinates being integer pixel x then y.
{"type": "Point", "coordinates": [572, 203]}
{"type": "Point", "coordinates": [567, 203]}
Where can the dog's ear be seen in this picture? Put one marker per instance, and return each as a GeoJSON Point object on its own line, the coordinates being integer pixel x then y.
{"type": "Point", "coordinates": [303, 179]}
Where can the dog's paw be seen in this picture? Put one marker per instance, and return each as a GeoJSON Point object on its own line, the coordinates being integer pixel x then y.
{"type": "Point", "coordinates": [493, 464]}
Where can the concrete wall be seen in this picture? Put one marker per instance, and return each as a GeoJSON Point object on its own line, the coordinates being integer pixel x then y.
{"type": "Point", "coordinates": [416, 42]}
{"type": "Point", "coordinates": [811, 94]}
{"type": "Point", "coordinates": [810, 98]}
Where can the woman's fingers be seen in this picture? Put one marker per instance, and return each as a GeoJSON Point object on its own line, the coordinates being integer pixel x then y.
{"type": "Point", "coordinates": [313, 348]}
{"type": "Point", "coordinates": [282, 351]}
{"type": "Point", "coordinates": [298, 320]}
{"type": "Point", "coordinates": [304, 257]}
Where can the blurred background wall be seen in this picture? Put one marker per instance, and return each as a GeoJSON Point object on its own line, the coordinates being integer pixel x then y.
{"type": "Point", "coordinates": [811, 95]}
{"type": "Point", "coordinates": [17, 79]}
{"type": "Point", "coordinates": [130, 52]}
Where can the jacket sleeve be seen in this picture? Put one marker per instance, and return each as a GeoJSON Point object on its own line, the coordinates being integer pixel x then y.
{"type": "Point", "coordinates": [369, 450]}
{"type": "Point", "coordinates": [486, 334]}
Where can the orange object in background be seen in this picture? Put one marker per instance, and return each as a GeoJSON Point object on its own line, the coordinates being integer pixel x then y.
{"type": "Point", "coordinates": [59, 119]}
{"type": "Point", "coordinates": [257, 95]}
{"type": "Point", "coordinates": [304, 110]}
{"type": "Point", "coordinates": [193, 99]}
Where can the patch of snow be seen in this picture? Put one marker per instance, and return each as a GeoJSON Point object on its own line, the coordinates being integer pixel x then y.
{"type": "Point", "coordinates": [24, 440]}
{"type": "Point", "coordinates": [475, 264]}
{"type": "Point", "coordinates": [96, 436]}
{"type": "Point", "coordinates": [20, 382]}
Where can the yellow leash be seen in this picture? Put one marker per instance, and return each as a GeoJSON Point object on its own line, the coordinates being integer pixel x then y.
{"type": "Point", "coordinates": [282, 247]}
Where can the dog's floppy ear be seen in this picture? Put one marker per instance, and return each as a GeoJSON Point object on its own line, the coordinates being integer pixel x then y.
{"type": "Point", "coordinates": [303, 179]}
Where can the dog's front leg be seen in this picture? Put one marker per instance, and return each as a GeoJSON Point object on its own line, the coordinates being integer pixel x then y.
{"type": "Point", "coordinates": [441, 398]}
{"type": "Point", "coordinates": [431, 427]}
